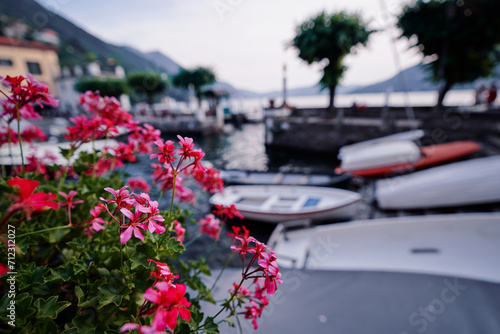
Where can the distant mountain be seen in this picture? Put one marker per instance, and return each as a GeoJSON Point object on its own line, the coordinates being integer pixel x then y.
{"type": "Point", "coordinates": [301, 91]}
{"type": "Point", "coordinates": [160, 60]}
{"type": "Point", "coordinates": [413, 79]}
{"type": "Point", "coordinates": [77, 44]}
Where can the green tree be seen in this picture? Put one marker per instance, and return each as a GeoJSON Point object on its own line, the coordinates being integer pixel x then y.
{"type": "Point", "coordinates": [329, 38]}
{"type": "Point", "coordinates": [196, 78]}
{"type": "Point", "coordinates": [106, 86]}
{"type": "Point", "coordinates": [460, 39]}
{"type": "Point", "coordinates": [148, 83]}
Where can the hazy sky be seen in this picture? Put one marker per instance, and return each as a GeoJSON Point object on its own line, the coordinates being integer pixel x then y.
{"type": "Point", "coordinates": [243, 41]}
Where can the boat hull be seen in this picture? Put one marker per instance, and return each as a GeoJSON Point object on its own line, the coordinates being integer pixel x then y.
{"type": "Point", "coordinates": [431, 156]}
{"type": "Point", "coordinates": [468, 182]}
{"type": "Point", "coordinates": [275, 204]}
{"type": "Point", "coordinates": [459, 245]}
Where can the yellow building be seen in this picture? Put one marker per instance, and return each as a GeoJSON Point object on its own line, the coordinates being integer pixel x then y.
{"type": "Point", "coordinates": [19, 57]}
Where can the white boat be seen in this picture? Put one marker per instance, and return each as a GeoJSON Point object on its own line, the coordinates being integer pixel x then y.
{"type": "Point", "coordinates": [381, 154]}
{"type": "Point", "coordinates": [233, 176]}
{"type": "Point", "coordinates": [277, 203]}
{"type": "Point", "coordinates": [401, 136]}
{"type": "Point", "coordinates": [469, 182]}
{"type": "Point", "coordinates": [458, 245]}
{"type": "Point", "coordinates": [40, 149]}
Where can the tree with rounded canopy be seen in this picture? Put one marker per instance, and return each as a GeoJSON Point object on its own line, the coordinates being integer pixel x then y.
{"type": "Point", "coordinates": [106, 86]}
{"type": "Point", "coordinates": [196, 78]}
{"type": "Point", "coordinates": [329, 38]}
{"type": "Point", "coordinates": [459, 39]}
{"type": "Point", "coordinates": [148, 83]}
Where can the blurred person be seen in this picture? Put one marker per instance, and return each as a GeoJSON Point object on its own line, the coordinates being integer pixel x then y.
{"type": "Point", "coordinates": [492, 94]}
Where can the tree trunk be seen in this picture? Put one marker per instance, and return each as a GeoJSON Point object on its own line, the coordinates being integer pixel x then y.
{"type": "Point", "coordinates": [331, 105]}
{"type": "Point", "coordinates": [442, 92]}
{"type": "Point", "coordinates": [151, 102]}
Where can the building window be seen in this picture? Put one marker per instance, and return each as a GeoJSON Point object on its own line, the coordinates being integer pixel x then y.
{"type": "Point", "coordinates": [34, 67]}
{"type": "Point", "coordinates": [5, 62]}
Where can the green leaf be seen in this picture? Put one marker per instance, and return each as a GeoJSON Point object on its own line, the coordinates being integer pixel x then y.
{"type": "Point", "coordinates": [77, 244]}
{"type": "Point", "coordinates": [50, 308]}
{"type": "Point", "coordinates": [86, 322]}
{"type": "Point", "coordinates": [30, 275]}
{"type": "Point", "coordinates": [65, 152]}
{"type": "Point", "coordinates": [44, 326]}
{"type": "Point", "coordinates": [63, 273]}
{"type": "Point", "coordinates": [210, 327]}
{"type": "Point", "coordinates": [25, 243]}
{"type": "Point", "coordinates": [141, 256]}
{"type": "Point", "coordinates": [55, 236]}
{"type": "Point", "coordinates": [112, 293]}
{"type": "Point", "coordinates": [79, 294]}
{"type": "Point", "coordinates": [71, 331]}
{"type": "Point", "coordinates": [229, 321]}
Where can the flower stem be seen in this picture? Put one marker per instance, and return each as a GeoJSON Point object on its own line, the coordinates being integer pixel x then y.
{"type": "Point", "coordinates": [221, 271]}
{"type": "Point", "coordinates": [45, 230]}
{"type": "Point", "coordinates": [19, 137]}
{"type": "Point", "coordinates": [226, 304]}
{"type": "Point", "coordinates": [190, 241]}
{"type": "Point", "coordinates": [172, 200]}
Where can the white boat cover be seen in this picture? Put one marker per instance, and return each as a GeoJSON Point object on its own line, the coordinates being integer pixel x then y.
{"type": "Point", "coordinates": [468, 182]}
{"type": "Point", "coordinates": [381, 154]}
{"type": "Point", "coordinates": [401, 136]}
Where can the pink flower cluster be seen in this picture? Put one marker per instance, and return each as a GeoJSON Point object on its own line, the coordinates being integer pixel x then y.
{"type": "Point", "coordinates": [24, 92]}
{"type": "Point", "coordinates": [141, 211]}
{"type": "Point", "coordinates": [262, 254]}
{"type": "Point", "coordinates": [210, 226]}
{"type": "Point", "coordinates": [179, 230]}
{"type": "Point", "coordinates": [105, 118]}
{"type": "Point", "coordinates": [257, 299]}
{"type": "Point", "coordinates": [27, 200]}
{"type": "Point", "coordinates": [185, 160]}
{"type": "Point", "coordinates": [168, 303]}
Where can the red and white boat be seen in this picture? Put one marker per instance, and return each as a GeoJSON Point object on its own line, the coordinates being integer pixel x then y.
{"type": "Point", "coordinates": [277, 203]}
{"type": "Point", "coordinates": [386, 159]}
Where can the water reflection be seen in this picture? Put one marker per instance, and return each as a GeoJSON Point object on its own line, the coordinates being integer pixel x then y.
{"type": "Point", "coordinates": [245, 149]}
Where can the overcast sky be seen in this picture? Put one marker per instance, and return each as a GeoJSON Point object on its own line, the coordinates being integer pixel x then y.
{"type": "Point", "coordinates": [243, 41]}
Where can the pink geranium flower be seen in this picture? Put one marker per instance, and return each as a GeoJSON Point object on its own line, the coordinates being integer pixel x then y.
{"type": "Point", "coordinates": [170, 303]}
{"type": "Point", "coordinates": [122, 197]}
{"type": "Point", "coordinates": [142, 329]}
{"type": "Point", "coordinates": [210, 226]}
{"type": "Point", "coordinates": [179, 230]}
{"type": "Point", "coordinates": [167, 151]}
{"type": "Point", "coordinates": [134, 225]}
{"type": "Point", "coordinates": [27, 200]}
{"type": "Point", "coordinates": [138, 184]}
{"type": "Point", "coordinates": [163, 273]}
{"type": "Point", "coordinates": [70, 203]}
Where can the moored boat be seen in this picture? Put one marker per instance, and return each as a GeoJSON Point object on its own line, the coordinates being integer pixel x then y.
{"type": "Point", "coordinates": [469, 182]}
{"type": "Point", "coordinates": [41, 149]}
{"type": "Point", "coordinates": [234, 176]}
{"type": "Point", "coordinates": [401, 136]}
{"type": "Point", "coordinates": [386, 159]}
{"type": "Point", "coordinates": [276, 203]}
{"type": "Point", "coordinates": [460, 245]}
